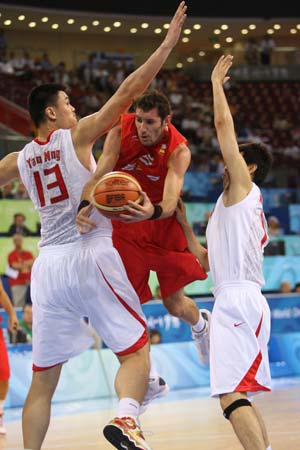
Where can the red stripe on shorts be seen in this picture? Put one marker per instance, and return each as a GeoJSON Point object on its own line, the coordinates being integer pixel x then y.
{"type": "Point", "coordinates": [129, 309]}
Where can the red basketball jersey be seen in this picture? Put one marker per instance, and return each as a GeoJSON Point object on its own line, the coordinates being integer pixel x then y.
{"type": "Point", "coordinates": [147, 164]}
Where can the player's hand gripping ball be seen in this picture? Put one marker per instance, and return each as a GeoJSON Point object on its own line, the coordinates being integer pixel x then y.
{"type": "Point", "coordinates": [113, 191]}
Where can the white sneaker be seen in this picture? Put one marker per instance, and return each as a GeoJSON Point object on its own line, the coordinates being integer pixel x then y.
{"type": "Point", "coordinates": [157, 387]}
{"type": "Point", "coordinates": [202, 338]}
{"type": "Point", "coordinates": [2, 427]}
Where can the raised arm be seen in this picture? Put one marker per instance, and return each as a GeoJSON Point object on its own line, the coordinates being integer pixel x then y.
{"type": "Point", "coordinates": [178, 164]}
{"type": "Point", "coordinates": [240, 179]}
{"type": "Point", "coordinates": [90, 128]}
{"type": "Point", "coordinates": [9, 168]}
{"type": "Point", "coordinates": [107, 161]}
{"type": "Point", "coordinates": [194, 245]}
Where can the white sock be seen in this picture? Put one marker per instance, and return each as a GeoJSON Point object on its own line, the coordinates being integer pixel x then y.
{"type": "Point", "coordinates": [128, 407]}
{"type": "Point", "coordinates": [269, 448]}
{"type": "Point", "coordinates": [2, 406]}
{"type": "Point", "coordinates": [153, 371]}
{"type": "Point", "coordinates": [200, 325]}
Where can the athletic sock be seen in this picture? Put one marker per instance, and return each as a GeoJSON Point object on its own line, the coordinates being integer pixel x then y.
{"type": "Point", "coordinates": [269, 448]}
{"type": "Point", "coordinates": [200, 325]}
{"type": "Point", "coordinates": [2, 406]}
{"type": "Point", "coordinates": [128, 407]}
{"type": "Point", "coordinates": [153, 371]}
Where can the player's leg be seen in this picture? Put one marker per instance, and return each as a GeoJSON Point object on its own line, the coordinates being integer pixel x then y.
{"type": "Point", "coordinates": [157, 386]}
{"type": "Point", "coordinates": [183, 307]}
{"type": "Point", "coordinates": [4, 379]}
{"type": "Point", "coordinates": [238, 410]}
{"type": "Point", "coordinates": [262, 426]}
{"type": "Point", "coordinates": [3, 393]}
{"type": "Point", "coordinates": [37, 408]}
{"type": "Point", "coordinates": [132, 377]}
{"type": "Point", "coordinates": [131, 383]}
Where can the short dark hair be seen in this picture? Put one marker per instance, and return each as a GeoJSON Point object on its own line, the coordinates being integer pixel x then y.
{"type": "Point", "coordinates": [154, 99]}
{"type": "Point", "coordinates": [257, 153]}
{"type": "Point", "coordinates": [40, 98]}
{"type": "Point", "coordinates": [19, 214]}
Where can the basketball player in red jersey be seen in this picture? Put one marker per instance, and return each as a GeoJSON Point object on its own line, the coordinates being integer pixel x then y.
{"type": "Point", "coordinates": [146, 145]}
{"type": "Point", "coordinates": [76, 276]}
{"type": "Point", "coordinates": [4, 363]}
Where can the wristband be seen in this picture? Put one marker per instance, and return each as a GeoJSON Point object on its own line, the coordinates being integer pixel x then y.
{"type": "Point", "coordinates": [82, 204]}
{"type": "Point", "coordinates": [157, 212]}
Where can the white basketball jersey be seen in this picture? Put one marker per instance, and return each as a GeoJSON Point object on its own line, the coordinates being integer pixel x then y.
{"type": "Point", "coordinates": [54, 179]}
{"type": "Point", "coordinates": [236, 236]}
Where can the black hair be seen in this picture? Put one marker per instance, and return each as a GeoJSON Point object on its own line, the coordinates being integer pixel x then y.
{"type": "Point", "coordinates": [257, 153]}
{"type": "Point", "coordinates": [154, 99]}
{"type": "Point", "coordinates": [40, 98]}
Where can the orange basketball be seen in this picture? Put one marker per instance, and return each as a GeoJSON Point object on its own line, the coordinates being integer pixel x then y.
{"type": "Point", "coordinates": [113, 191]}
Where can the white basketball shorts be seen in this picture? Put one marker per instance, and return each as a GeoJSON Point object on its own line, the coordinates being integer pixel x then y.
{"type": "Point", "coordinates": [239, 335]}
{"type": "Point", "coordinates": [82, 279]}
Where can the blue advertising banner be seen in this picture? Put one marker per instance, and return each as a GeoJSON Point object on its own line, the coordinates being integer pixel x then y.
{"type": "Point", "coordinates": [285, 317]}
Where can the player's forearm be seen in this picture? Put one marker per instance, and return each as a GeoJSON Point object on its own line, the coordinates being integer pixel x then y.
{"type": "Point", "coordinates": [222, 114]}
{"type": "Point", "coordinates": [139, 80]}
{"type": "Point", "coordinates": [104, 166]}
{"type": "Point", "coordinates": [194, 245]}
{"type": "Point", "coordinates": [168, 206]}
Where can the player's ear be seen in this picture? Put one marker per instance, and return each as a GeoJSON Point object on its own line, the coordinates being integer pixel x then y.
{"type": "Point", "coordinates": [168, 119]}
{"type": "Point", "coordinates": [252, 168]}
{"type": "Point", "coordinates": [50, 113]}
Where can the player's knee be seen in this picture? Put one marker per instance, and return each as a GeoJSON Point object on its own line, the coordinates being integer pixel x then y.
{"type": "Point", "coordinates": [174, 306]}
{"type": "Point", "coordinates": [229, 406]}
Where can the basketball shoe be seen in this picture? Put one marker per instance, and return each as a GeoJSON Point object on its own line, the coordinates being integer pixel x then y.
{"type": "Point", "coordinates": [202, 338]}
{"type": "Point", "coordinates": [2, 427]}
{"type": "Point", "coordinates": [157, 387]}
{"type": "Point", "coordinates": [125, 434]}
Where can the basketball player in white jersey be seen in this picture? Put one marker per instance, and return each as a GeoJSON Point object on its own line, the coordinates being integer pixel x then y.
{"type": "Point", "coordinates": [75, 275]}
{"type": "Point", "coordinates": [236, 235]}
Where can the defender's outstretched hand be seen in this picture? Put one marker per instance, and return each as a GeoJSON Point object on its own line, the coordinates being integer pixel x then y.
{"type": "Point", "coordinates": [219, 74]}
{"type": "Point", "coordinates": [174, 31]}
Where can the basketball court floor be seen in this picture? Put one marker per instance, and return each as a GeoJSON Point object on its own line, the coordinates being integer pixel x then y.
{"type": "Point", "coordinates": [183, 420]}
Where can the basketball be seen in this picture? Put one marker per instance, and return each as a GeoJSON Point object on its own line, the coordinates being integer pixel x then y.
{"type": "Point", "coordinates": [113, 191]}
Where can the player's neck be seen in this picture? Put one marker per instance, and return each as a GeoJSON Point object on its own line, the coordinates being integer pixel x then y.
{"type": "Point", "coordinates": [44, 131]}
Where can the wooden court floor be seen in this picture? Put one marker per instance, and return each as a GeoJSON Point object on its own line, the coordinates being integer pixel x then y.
{"type": "Point", "coordinates": [178, 425]}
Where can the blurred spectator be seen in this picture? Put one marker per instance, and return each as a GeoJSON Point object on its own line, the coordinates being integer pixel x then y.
{"type": "Point", "coordinates": [7, 191]}
{"type": "Point", "coordinates": [285, 287]}
{"type": "Point", "coordinates": [3, 44]}
{"type": "Point", "coordinates": [24, 332]}
{"type": "Point", "coordinates": [274, 228]}
{"type": "Point", "coordinates": [297, 287]}
{"type": "Point", "coordinates": [155, 337]}
{"type": "Point", "coordinates": [266, 47]}
{"type": "Point", "coordinates": [251, 52]}
{"type": "Point", "coordinates": [21, 192]}
{"type": "Point", "coordinates": [20, 263]}
{"type": "Point", "coordinates": [18, 226]}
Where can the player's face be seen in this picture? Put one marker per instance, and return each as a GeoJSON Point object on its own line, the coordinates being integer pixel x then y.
{"type": "Point", "coordinates": [149, 126]}
{"type": "Point", "coordinates": [65, 112]}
